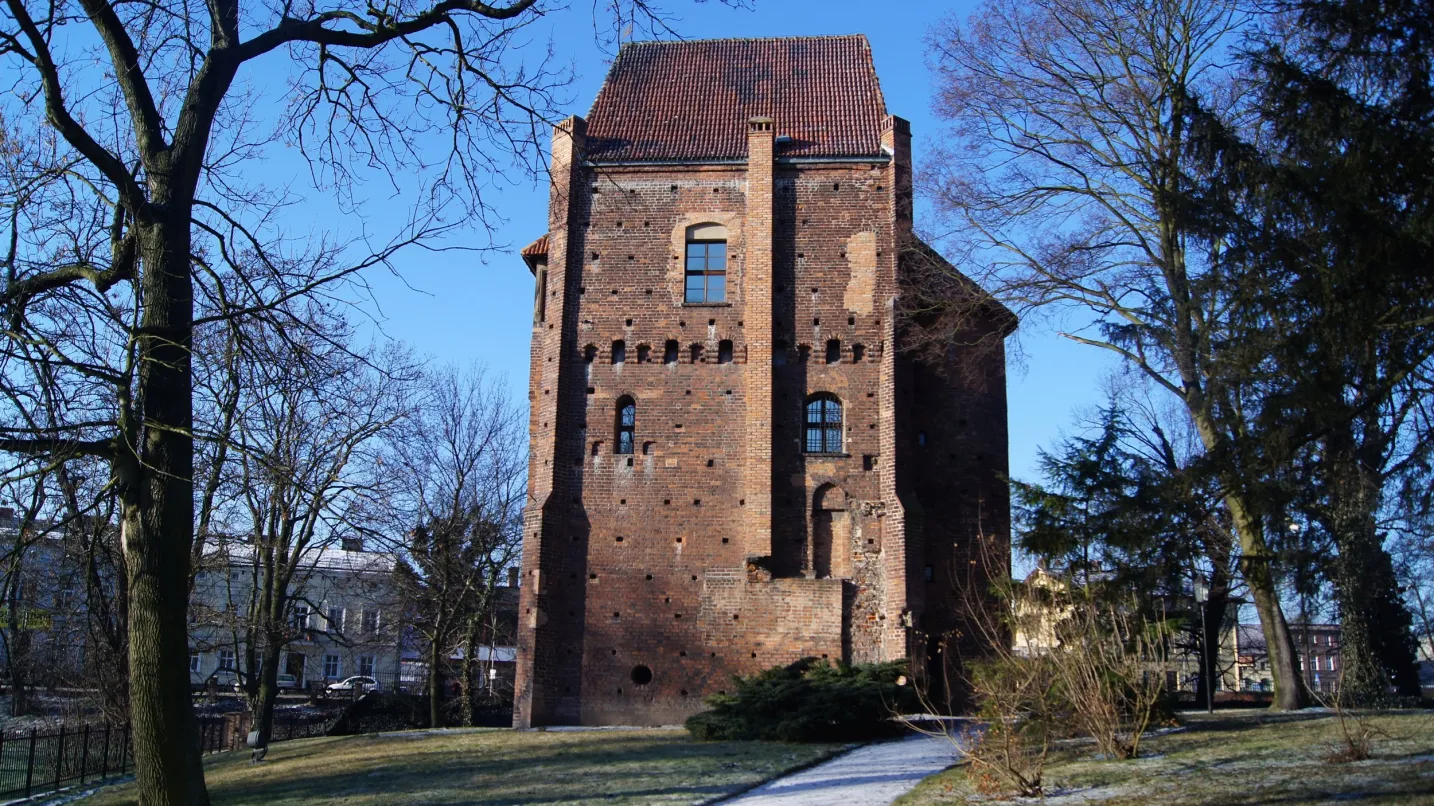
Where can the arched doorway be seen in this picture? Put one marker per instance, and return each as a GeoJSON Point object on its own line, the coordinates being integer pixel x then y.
{"type": "Point", "coordinates": [831, 537]}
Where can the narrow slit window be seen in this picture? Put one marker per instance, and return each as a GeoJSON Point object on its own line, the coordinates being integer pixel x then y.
{"type": "Point", "coordinates": [706, 272]}
{"type": "Point", "coordinates": [823, 424]}
{"type": "Point", "coordinates": [626, 425]}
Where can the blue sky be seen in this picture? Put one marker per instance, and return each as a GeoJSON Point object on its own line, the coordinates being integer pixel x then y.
{"type": "Point", "coordinates": [457, 307]}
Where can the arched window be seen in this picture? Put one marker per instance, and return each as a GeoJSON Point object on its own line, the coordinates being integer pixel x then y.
{"type": "Point", "coordinates": [625, 425]}
{"type": "Point", "coordinates": [724, 352]}
{"type": "Point", "coordinates": [706, 274]}
{"type": "Point", "coordinates": [823, 431]}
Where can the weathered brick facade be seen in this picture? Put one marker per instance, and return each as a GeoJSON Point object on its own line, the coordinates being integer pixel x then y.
{"type": "Point", "coordinates": [718, 546]}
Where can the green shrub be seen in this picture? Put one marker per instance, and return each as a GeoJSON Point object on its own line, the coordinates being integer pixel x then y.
{"type": "Point", "coordinates": [809, 701]}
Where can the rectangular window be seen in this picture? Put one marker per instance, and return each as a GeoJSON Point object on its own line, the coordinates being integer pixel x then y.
{"type": "Point", "coordinates": [331, 667]}
{"type": "Point", "coordinates": [365, 665]}
{"type": "Point", "coordinates": [370, 621]}
{"type": "Point", "coordinates": [706, 271]}
{"type": "Point", "coordinates": [194, 662]}
{"type": "Point", "coordinates": [226, 660]}
{"type": "Point", "coordinates": [336, 618]}
{"type": "Point", "coordinates": [301, 617]}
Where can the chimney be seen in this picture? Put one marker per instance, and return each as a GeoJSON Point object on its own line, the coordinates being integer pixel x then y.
{"type": "Point", "coordinates": [512, 577]}
{"type": "Point", "coordinates": [351, 543]}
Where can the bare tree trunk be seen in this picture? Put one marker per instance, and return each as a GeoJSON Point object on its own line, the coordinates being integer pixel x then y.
{"type": "Point", "coordinates": [156, 475]}
{"type": "Point", "coordinates": [435, 685]}
{"type": "Point", "coordinates": [1212, 621]}
{"type": "Point", "coordinates": [267, 694]}
{"type": "Point", "coordinates": [470, 685]}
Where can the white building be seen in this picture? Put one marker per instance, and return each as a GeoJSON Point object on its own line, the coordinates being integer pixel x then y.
{"type": "Point", "coordinates": [343, 616]}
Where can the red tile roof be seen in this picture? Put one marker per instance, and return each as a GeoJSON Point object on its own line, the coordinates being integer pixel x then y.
{"type": "Point", "coordinates": [538, 248]}
{"type": "Point", "coordinates": [535, 252]}
{"type": "Point", "coordinates": [692, 99]}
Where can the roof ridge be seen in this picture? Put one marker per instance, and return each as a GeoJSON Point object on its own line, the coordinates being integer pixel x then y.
{"type": "Point", "coordinates": [645, 42]}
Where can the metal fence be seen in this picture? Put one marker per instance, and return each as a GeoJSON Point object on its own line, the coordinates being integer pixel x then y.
{"type": "Point", "coordinates": [44, 761]}
{"type": "Point", "coordinates": [36, 762]}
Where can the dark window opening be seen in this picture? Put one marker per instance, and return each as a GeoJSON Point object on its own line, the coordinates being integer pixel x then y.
{"type": "Point", "coordinates": [540, 302]}
{"type": "Point", "coordinates": [644, 354]}
{"type": "Point", "coordinates": [669, 352]}
{"type": "Point", "coordinates": [706, 275]}
{"type": "Point", "coordinates": [779, 352]}
{"type": "Point", "coordinates": [696, 351]}
{"type": "Point", "coordinates": [619, 351]}
{"type": "Point", "coordinates": [626, 425]}
{"type": "Point", "coordinates": [834, 351]}
{"type": "Point", "coordinates": [823, 424]}
{"type": "Point", "coordinates": [590, 353]}
{"type": "Point", "coordinates": [724, 352]}
{"type": "Point", "coordinates": [804, 353]}
{"type": "Point", "coordinates": [858, 353]}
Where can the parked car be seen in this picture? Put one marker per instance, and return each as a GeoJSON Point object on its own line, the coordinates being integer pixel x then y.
{"type": "Point", "coordinates": [356, 683]}
{"type": "Point", "coordinates": [283, 681]}
{"type": "Point", "coordinates": [223, 678]}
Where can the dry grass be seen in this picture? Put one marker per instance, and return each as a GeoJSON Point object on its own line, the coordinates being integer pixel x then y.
{"type": "Point", "coordinates": [1234, 758]}
{"type": "Point", "coordinates": [492, 766]}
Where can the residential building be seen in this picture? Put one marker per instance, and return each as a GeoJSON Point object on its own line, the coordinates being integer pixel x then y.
{"type": "Point", "coordinates": [344, 618]}
{"type": "Point", "coordinates": [1317, 647]}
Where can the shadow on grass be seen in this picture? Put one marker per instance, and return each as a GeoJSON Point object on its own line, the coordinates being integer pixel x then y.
{"type": "Point", "coordinates": [480, 768]}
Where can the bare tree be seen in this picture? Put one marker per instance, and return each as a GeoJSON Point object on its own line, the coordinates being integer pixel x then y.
{"type": "Point", "coordinates": [306, 472]}
{"type": "Point", "coordinates": [137, 221]}
{"type": "Point", "coordinates": [1060, 186]}
{"type": "Point", "coordinates": [461, 466]}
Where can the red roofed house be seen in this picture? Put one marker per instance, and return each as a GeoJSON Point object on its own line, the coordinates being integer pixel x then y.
{"type": "Point", "coordinates": [734, 464]}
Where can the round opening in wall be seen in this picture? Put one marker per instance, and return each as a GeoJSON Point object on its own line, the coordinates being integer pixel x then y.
{"type": "Point", "coordinates": [641, 675]}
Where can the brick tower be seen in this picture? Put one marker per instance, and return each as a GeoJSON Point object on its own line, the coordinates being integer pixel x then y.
{"type": "Point", "coordinates": [733, 464]}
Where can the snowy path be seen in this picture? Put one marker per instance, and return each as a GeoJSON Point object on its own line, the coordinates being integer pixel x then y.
{"type": "Point", "coordinates": [873, 775]}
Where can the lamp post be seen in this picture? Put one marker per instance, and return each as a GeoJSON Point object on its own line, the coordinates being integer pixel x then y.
{"type": "Point", "coordinates": [1202, 597]}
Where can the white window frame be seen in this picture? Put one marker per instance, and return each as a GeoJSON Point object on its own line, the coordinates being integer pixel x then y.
{"type": "Point", "coordinates": [337, 664]}
{"type": "Point", "coordinates": [226, 666]}
{"type": "Point", "coordinates": [367, 666]}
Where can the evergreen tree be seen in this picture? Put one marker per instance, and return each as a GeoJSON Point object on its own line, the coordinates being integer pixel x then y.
{"type": "Point", "coordinates": [1325, 214]}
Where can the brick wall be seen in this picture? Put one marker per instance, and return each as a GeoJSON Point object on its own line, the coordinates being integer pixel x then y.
{"type": "Point", "coordinates": [699, 555]}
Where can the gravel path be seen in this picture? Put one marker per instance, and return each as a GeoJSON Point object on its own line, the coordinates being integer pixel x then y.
{"type": "Point", "coordinates": [873, 775]}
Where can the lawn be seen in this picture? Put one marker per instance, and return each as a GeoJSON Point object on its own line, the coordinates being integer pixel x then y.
{"type": "Point", "coordinates": [492, 766]}
{"type": "Point", "coordinates": [1233, 758]}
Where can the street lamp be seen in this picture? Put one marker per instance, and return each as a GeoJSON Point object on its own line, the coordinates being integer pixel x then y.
{"type": "Point", "coordinates": [1202, 598]}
